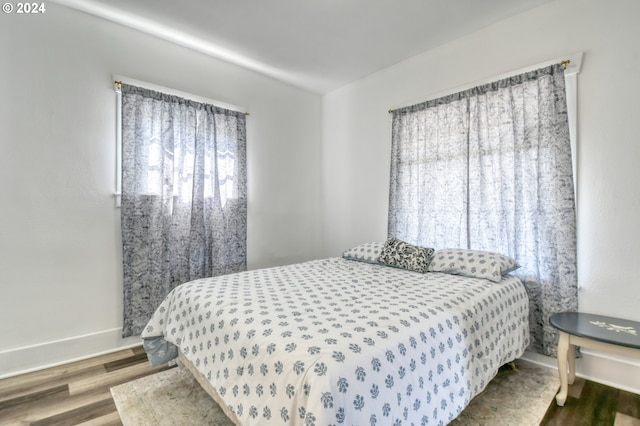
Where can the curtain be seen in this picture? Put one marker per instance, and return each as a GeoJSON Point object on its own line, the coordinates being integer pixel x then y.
{"type": "Point", "coordinates": [490, 169]}
{"type": "Point", "coordinates": [184, 196]}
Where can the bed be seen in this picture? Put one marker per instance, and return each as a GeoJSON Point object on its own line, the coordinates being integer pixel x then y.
{"type": "Point", "coordinates": [343, 340]}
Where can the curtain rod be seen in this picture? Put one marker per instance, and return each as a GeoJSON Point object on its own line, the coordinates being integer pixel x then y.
{"type": "Point", "coordinates": [563, 63]}
{"type": "Point", "coordinates": [118, 85]}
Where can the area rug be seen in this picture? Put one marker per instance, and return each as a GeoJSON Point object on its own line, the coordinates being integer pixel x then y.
{"type": "Point", "coordinates": [517, 396]}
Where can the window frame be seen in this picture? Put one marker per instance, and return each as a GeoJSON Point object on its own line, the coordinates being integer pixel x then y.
{"type": "Point", "coordinates": [572, 70]}
{"type": "Point", "coordinates": [117, 80]}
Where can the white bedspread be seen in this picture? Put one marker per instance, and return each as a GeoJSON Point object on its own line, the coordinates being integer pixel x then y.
{"type": "Point", "coordinates": [338, 342]}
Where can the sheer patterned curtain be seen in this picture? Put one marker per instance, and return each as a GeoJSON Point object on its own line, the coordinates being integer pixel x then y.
{"type": "Point", "coordinates": [184, 196]}
{"type": "Point", "coordinates": [490, 169]}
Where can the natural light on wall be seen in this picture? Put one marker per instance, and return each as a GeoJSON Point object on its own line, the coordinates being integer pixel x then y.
{"type": "Point", "coordinates": [172, 35]}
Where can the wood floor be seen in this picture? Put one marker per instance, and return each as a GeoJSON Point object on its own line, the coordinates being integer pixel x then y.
{"type": "Point", "coordinates": [72, 394]}
{"type": "Point", "coordinates": [78, 394]}
{"type": "Point", "coordinates": [590, 403]}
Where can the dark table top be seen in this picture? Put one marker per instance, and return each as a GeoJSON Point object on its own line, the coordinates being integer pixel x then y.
{"type": "Point", "coordinates": [597, 327]}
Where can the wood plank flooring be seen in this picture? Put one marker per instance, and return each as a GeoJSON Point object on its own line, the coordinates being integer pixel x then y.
{"type": "Point", "coordinates": [78, 394]}
{"type": "Point", "coordinates": [72, 394]}
{"type": "Point", "coordinates": [590, 403]}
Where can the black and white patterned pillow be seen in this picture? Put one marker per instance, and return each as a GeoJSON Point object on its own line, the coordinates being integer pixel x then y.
{"type": "Point", "coordinates": [367, 252]}
{"type": "Point", "coordinates": [472, 263]}
{"type": "Point", "coordinates": [403, 255]}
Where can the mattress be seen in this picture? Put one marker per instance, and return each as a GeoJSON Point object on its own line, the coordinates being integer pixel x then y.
{"type": "Point", "coordinates": [340, 342]}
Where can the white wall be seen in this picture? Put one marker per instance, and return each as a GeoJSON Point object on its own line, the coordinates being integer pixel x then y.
{"type": "Point", "coordinates": [356, 142]}
{"type": "Point", "coordinates": [60, 254]}
{"type": "Point", "coordinates": [60, 247]}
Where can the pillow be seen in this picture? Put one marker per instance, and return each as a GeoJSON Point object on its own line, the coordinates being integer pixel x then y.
{"type": "Point", "coordinates": [403, 255]}
{"type": "Point", "coordinates": [367, 253]}
{"type": "Point", "coordinates": [472, 263]}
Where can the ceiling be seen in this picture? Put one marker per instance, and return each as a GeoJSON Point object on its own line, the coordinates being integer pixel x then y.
{"type": "Point", "coordinates": [318, 45]}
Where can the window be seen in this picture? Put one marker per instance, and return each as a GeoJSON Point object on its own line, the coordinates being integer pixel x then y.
{"type": "Point", "coordinates": [183, 200]}
{"type": "Point", "coordinates": [490, 168]}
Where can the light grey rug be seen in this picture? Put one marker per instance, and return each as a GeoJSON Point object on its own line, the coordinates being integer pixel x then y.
{"type": "Point", "coordinates": [170, 398]}
{"type": "Point", "coordinates": [517, 397]}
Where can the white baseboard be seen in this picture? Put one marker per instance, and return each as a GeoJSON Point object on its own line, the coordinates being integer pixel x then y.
{"type": "Point", "coordinates": [611, 370]}
{"type": "Point", "coordinates": [50, 354]}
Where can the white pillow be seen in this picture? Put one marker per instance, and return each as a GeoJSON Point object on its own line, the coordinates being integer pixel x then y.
{"type": "Point", "coordinates": [367, 252]}
{"type": "Point", "coordinates": [472, 263]}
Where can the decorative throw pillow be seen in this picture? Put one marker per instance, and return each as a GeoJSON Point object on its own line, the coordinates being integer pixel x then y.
{"type": "Point", "coordinates": [367, 253]}
{"type": "Point", "coordinates": [403, 255]}
{"type": "Point", "coordinates": [472, 263]}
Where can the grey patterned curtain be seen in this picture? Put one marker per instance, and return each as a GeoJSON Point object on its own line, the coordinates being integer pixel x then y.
{"type": "Point", "coordinates": [184, 196]}
{"type": "Point", "coordinates": [490, 169]}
